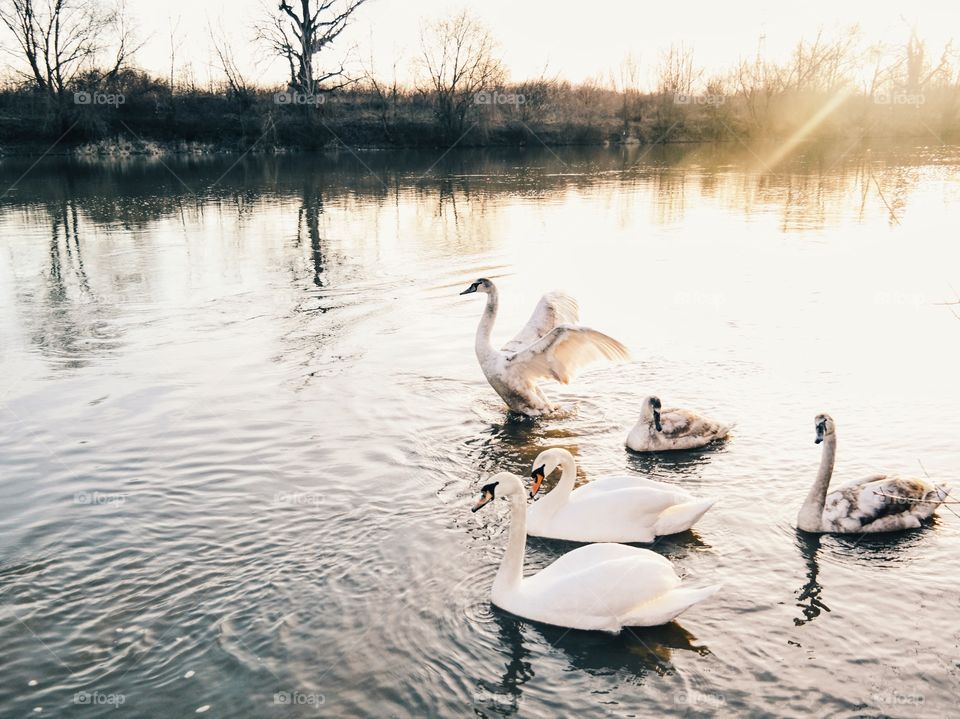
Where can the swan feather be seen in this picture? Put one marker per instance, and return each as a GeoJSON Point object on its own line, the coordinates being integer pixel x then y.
{"type": "Point", "coordinates": [565, 349]}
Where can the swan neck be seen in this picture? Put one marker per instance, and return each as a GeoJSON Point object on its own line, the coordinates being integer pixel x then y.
{"type": "Point", "coordinates": [560, 495]}
{"type": "Point", "coordinates": [485, 328]}
{"type": "Point", "coordinates": [810, 518]}
{"type": "Point", "coordinates": [511, 567]}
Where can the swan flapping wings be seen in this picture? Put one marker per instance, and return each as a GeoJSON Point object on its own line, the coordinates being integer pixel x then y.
{"type": "Point", "coordinates": [553, 309]}
{"type": "Point", "coordinates": [565, 349]}
{"type": "Point", "coordinates": [552, 345]}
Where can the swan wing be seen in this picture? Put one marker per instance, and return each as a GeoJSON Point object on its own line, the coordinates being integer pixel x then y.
{"type": "Point", "coordinates": [858, 482]}
{"type": "Point", "coordinates": [625, 505]}
{"type": "Point", "coordinates": [562, 351]}
{"type": "Point", "coordinates": [612, 484]}
{"type": "Point", "coordinates": [684, 423]}
{"type": "Point", "coordinates": [601, 583]}
{"type": "Point", "coordinates": [591, 554]}
{"type": "Point", "coordinates": [553, 309]}
{"type": "Point", "coordinates": [880, 504]}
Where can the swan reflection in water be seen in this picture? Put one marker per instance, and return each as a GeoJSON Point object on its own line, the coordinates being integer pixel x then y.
{"type": "Point", "coordinates": [889, 549]}
{"type": "Point", "coordinates": [633, 653]}
{"type": "Point", "coordinates": [808, 596]}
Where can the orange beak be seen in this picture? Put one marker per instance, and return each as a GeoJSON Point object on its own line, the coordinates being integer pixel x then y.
{"type": "Point", "coordinates": [538, 477]}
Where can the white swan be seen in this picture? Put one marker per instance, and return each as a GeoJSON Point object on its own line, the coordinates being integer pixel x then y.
{"type": "Point", "coordinates": [550, 346]}
{"type": "Point", "coordinates": [880, 503]}
{"type": "Point", "coordinates": [598, 586]}
{"type": "Point", "coordinates": [610, 509]}
{"type": "Point", "coordinates": [665, 429]}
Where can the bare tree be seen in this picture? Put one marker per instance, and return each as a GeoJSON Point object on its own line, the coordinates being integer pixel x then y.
{"type": "Point", "coordinates": [457, 58]}
{"type": "Point", "coordinates": [237, 84]}
{"type": "Point", "coordinates": [676, 73]}
{"type": "Point", "coordinates": [757, 81]}
{"type": "Point", "coordinates": [676, 76]}
{"type": "Point", "coordinates": [59, 39]}
{"type": "Point", "coordinates": [627, 82]}
{"type": "Point", "coordinates": [175, 43]}
{"type": "Point", "coordinates": [822, 64]}
{"type": "Point", "coordinates": [387, 94]}
{"type": "Point", "coordinates": [300, 31]}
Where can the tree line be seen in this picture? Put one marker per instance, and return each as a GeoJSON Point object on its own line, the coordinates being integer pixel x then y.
{"type": "Point", "coordinates": [74, 79]}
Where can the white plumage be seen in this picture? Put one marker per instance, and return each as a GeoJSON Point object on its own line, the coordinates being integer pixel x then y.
{"type": "Point", "coordinates": [600, 586]}
{"type": "Point", "coordinates": [550, 346]}
{"type": "Point", "coordinates": [609, 509]}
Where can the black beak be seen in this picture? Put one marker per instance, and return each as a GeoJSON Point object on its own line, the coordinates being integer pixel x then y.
{"type": "Point", "coordinates": [820, 430]}
{"type": "Point", "coordinates": [656, 421]}
{"type": "Point", "coordinates": [470, 290]}
{"type": "Point", "coordinates": [818, 440]}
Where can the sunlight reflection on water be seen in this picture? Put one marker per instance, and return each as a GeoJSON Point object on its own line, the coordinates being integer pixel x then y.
{"type": "Point", "coordinates": [240, 429]}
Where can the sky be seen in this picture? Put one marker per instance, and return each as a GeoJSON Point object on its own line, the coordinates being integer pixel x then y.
{"type": "Point", "coordinates": [571, 41]}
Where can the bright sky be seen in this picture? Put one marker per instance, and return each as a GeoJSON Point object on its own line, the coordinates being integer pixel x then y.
{"type": "Point", "coordinates": [575, 41]}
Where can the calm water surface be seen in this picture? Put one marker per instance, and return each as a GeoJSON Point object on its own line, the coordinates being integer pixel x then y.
{"type": "Point", "coordinates": [241, 427]}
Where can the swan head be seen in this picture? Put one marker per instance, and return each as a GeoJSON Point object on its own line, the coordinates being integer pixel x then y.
{"type": "Point", "coordinates": [482, 285]}
{"type": "Point", "coordinates": [650, 412]}
{"type": "Point", "coordinates": [825, 427]}
{"type": "Point", "coordinates": [503, 484]}
{"type": "Point", "coordinates": [545, 464]}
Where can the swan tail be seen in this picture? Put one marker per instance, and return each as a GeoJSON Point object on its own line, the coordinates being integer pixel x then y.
{"type": "Point", "coordinates": [680, 517]}
{"type": "Point", "coordinates": [668, 607]}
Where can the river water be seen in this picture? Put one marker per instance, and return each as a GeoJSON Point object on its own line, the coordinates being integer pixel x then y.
{"type": "Point", "coordinates": [242, 425]}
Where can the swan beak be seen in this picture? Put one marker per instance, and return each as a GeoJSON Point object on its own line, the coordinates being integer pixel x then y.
{"type": "Point", "coordinates": [470, 290]}
{"type": "Point", "coordinates": [538, 477]}
{"type": "Point", "coordinates": [818, 440]}
{"type": "Point", "coordinates": [485, 499]}
{"type": "Point", "coordinates": [656, 421]}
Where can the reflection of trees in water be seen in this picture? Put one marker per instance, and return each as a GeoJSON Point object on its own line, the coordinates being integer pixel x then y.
{"type": "Point", "coordinates": [68, 321]}
{"type": "Point", "coordinates": [308, 219]}
{"type": "Point", "coordinates": [811, 185]}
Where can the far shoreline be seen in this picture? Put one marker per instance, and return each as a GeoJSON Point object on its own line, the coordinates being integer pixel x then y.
{"type": "Point", "coordinates": [109, 149]}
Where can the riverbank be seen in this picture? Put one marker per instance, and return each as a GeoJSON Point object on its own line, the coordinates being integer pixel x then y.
{"type": "Point", "coordinates": [147, 118]}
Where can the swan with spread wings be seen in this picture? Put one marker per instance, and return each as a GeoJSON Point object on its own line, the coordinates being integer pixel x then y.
{"type": "Point", "coordinates": [551, 346]}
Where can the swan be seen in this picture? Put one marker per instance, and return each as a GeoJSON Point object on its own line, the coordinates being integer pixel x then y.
{"type": "Point", "coordinates": [610, 509]}
{"type": "Point", "coordinates": [599, 586]}
{"type": "Point", "coordinates": [879, 503]}
{"type": "Point", "coordinates": [550, 346]}
{"type": "Point", "coordinates": [664, 429]}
